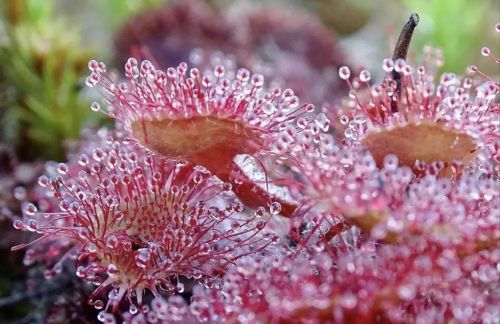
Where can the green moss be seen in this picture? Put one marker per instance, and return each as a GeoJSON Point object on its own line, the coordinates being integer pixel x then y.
{"type": "Point", "coordinates": [455, 26]}
{"type": "Point", "coordinates": [43, 63]}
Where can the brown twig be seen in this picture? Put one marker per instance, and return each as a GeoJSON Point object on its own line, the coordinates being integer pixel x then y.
{"type": "Point", "coordinates": [400, 52]}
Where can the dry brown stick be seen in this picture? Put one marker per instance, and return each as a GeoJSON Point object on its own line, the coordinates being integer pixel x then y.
{"type": "Point", "coordinates": [401, 51]}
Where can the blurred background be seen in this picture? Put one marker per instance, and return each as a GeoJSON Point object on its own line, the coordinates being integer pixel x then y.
{"type": "Point", "coordinates": [44, 104]}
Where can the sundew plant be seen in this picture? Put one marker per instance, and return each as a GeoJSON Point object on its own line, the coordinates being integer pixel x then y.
{"type": "Point", "coordinates": [221, 196]}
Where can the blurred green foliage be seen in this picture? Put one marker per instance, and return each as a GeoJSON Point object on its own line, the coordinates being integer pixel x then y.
{"type": "Point", "coordinates": [455, 26]}
{"type": "Point", "coordinates": [43, 62]}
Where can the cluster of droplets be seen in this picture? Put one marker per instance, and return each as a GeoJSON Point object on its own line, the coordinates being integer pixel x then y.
{"type": "Point", "coordinates": [415, 214]}
{"type": "Point", "coordinates": [137, 222]}
{"type": "Point", "coordinates": [465, 105]}
{"type": "Point", "coordinates": [272, 289]}
{"type": "Point", "coordinates": [54, 250]}
{"type": "Point", "coordinates": [391, 202]}
{"type": "Point", "coordinates": [161, 310]}
{"type": "Point", "coordinates": [179, 93]}
{"type": "Point", "coordinates": [347, 181]}
{"type": "Point", "coordinates": [462, 214]}
{"type": "Point", "coordinates": [354, 174]}
{"type": "Point", "coordinates": [415, 282]}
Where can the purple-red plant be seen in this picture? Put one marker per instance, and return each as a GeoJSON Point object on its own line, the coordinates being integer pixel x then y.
{"type": "Point", "coordinates": [396, 221]}
{"type": "Point", "coordinates": [416, 282]}
{"type": "Point", "coordinates": [206, 119]}
{"type": "Point", "coordinates": [432, 253]}
{"type": "Point", "coordinates": [138, 222]}
{"type": "Point", "coordinates": [423, 121]}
